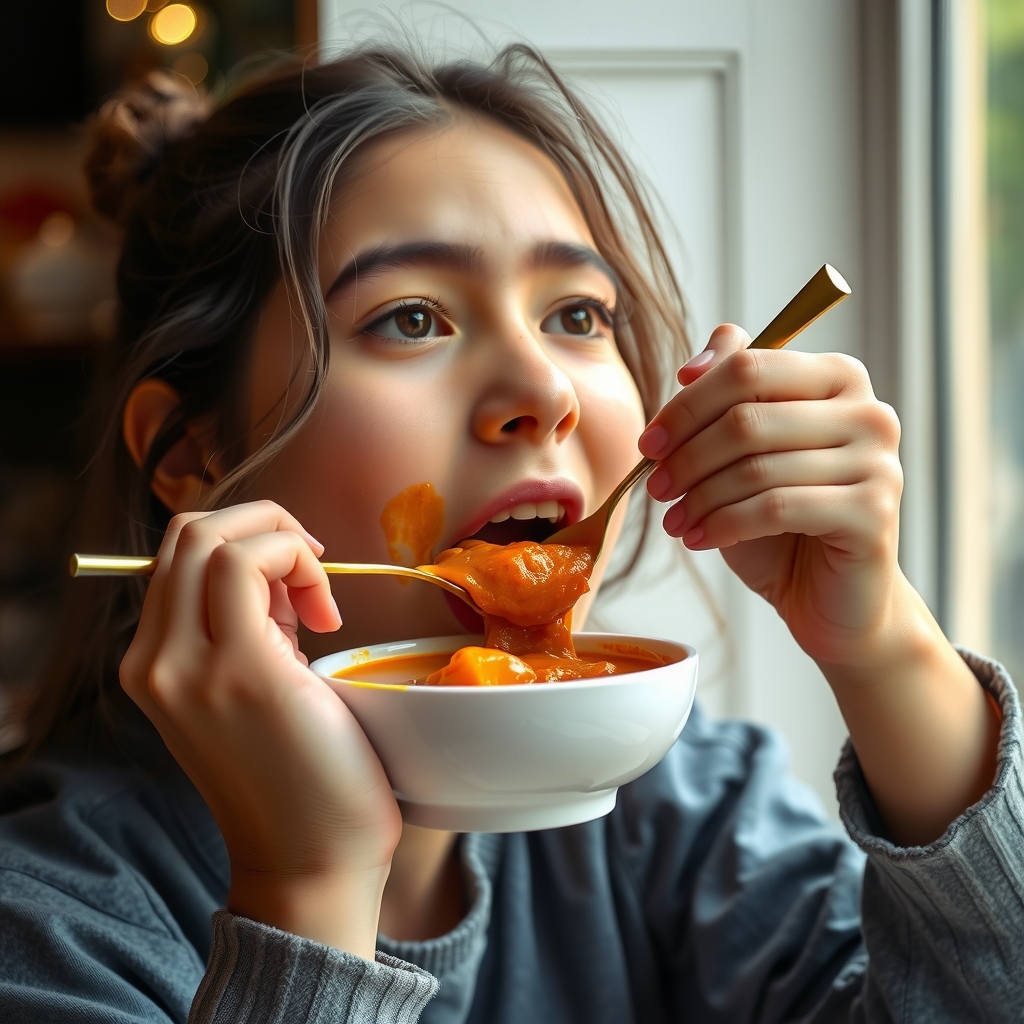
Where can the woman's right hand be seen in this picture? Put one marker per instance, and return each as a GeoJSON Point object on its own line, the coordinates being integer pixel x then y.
{"type": "Point", "coordinates": [302, 801]}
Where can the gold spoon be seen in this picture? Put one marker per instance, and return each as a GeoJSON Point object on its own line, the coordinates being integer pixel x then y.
{"type": "Point", "coordinates": [143, 565]}
{"type": "Point", "coordinates": [818, 296]}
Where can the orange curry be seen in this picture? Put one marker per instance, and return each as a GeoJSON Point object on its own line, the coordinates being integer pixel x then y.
{"type": "Point", "coordinates": [526, 591]}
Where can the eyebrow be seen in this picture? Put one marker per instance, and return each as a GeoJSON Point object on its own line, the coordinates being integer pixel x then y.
{"type": "Point", "coordinates": [569, 255]}
{"type": "Point", "coordinates": [464, 259]}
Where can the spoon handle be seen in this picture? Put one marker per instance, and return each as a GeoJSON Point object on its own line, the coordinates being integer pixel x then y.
{"type": "Point", "coordinates": [817, 297]}
{"type": "Point", "coordinates": [131, 565]}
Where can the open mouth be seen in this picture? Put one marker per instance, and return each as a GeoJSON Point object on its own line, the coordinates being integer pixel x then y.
{"type": "Point", "coordinates": [528, 521]}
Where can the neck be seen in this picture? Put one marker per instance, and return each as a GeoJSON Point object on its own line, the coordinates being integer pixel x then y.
{"type": "Point", "coordinates": [425, 895]}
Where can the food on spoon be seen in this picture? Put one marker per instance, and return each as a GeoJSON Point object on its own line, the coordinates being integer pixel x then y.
{"type": "Point", "coordinates": [526, 591]}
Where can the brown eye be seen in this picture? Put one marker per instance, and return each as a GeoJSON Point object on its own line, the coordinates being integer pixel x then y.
{"type": "Point", "coordinates": [409, 323]}
{"type": "Point", "coordinates": [590, 320]}
{"type": "Point", "coordinates": [414, 323]}
{"type": "Point", "coordinates": [577, 320]}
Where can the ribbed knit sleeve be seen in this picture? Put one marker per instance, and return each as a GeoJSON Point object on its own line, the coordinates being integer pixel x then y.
{"type": "Point", "coordinates": [260, 975]}
{"type": "Point", "coordinates": [943, 923]}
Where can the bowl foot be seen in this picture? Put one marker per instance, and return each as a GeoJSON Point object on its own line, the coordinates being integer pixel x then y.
{"type": "Point", "coordinates": [556, 811]}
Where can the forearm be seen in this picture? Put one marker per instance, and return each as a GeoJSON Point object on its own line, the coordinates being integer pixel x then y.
{"type": "Point", "coordinates": [924, 731]}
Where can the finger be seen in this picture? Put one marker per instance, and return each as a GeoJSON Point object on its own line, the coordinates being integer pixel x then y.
{"type": "Point", "coordinates": [134, 669]}
{"type": "Point", "coordinates": [725, 339]}
{"type": "Point", "coordinates": [239, 588]}
{"type": "Point", "coordinates": [756, 473]}
{"type": "Point", "coordinates": [282, 611]}
{"type": "Point", "coordinates": [752, 376]}
{"type": "Point", "coordinates": [852, 516]}
{"type": "Point", "coordinates": [186, 586]}
{"type": "Point", "coordinates": [751, 428]}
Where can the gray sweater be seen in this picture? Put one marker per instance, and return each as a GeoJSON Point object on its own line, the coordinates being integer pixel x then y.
{"type": "Point", "coordinates": [715, 891]}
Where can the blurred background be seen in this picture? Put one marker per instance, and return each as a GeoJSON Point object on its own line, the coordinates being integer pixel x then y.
{"type": "Point", "coordinates": [883, 136]}
{"type": "Point", "coordinates": [58, 61]}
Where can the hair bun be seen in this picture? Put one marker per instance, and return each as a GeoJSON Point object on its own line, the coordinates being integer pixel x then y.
{"type": "Point", "coordinates": [132, 131]}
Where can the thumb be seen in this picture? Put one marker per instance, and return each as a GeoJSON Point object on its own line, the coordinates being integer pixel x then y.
{"type": "Point", "coordinates": [724, 340]}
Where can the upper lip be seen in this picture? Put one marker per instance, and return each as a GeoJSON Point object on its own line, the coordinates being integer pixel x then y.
{"type": "Point", "coordinates": [566, 492]}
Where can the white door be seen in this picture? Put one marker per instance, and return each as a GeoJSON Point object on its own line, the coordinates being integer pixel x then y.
{"type": "Point", "coordinates": [746, 114]}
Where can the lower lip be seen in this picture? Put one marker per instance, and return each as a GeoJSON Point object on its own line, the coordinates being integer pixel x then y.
{"type": "Point", "coordinates": [467, 618]}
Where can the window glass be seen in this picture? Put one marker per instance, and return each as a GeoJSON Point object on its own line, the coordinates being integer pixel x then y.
{"type": "Point", "coordinates": [1006, 290]}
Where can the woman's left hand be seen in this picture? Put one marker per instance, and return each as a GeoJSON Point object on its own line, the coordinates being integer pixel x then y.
{"type": "Point", "coordinates": [787, 462]}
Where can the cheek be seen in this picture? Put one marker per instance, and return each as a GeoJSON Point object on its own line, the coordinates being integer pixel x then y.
{"type": "Point", "coordinates": [368, 439]}
{"type": "Point", "coordinates": [611, 421]}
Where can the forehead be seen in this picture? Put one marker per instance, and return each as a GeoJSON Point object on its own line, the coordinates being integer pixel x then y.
{"type": "Point", "coordinates": [473, 182]}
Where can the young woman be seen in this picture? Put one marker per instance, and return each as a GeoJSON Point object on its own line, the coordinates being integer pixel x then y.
{"type": "Point", "coordinates": [355, 277]}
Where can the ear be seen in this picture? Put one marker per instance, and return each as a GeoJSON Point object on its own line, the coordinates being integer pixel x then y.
{"type": "Point", "coordinates": [189, 466]}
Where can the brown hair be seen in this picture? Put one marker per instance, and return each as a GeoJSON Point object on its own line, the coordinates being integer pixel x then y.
{"type": "Point", "coordinates": [217, 204]}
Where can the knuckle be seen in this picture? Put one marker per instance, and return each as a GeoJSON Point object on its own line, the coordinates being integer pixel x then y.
{"type": "Point", "coordinates": [744, 421]}
{"type": "Point", "coordinates": [179, 521]}
{"type": "Point", "coordinates": [756, 469]}
{"type": "Point", "coordinates": [745, 368]}
{"type": "Point", "coordinates": [192, 535]}
{"type": "Point", "coordinates": [161, 681]}
{"type": "Point", "coordinates": [776, 506]}
{"type": "Point", "coordinates": [889, 424]}
{"type": "Point", "coordinates": [851, 371]}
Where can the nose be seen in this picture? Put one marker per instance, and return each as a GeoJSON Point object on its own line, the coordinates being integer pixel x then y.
{"type": "Point", "coordinates": [528, 397]}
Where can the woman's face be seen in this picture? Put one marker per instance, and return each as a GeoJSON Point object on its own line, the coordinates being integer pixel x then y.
{"type": "Point", "coordinates": [471, 349]}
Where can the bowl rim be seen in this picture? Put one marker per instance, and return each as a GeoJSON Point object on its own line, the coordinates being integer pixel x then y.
{"type": "Point", "coordinates": [465, 640]}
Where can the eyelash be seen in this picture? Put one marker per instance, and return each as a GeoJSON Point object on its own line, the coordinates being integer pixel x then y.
{"type": "Point", "coordinates": [435, 305]}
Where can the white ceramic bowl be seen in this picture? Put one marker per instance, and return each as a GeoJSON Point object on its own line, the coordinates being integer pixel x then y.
{"type": "Point", "coordinates": [517, 758]}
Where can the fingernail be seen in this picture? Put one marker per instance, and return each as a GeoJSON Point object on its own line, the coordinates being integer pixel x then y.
{"type": "Point", "coordinates": [653, 441]}
{"type": "Point", "coordinates": [675, 519]}
{"type": "Point", "coordinates": [693, 537]}
{"type": "Point", "coordinates": [337, 612]}
{"type": "Point", "coordinates": [658, 483]}
{"type": "Point", "coordinates": [313, 542]}
{"type": "Point", "coordinates": [699, 360]}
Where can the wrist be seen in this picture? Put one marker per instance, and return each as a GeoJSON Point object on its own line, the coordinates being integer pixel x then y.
{"type": "Point", "coordinates": [906, 643]}
{"type": "Point", "coordinates": [920, 722]}
{"type": "Point", "coordinates": [339, 909]}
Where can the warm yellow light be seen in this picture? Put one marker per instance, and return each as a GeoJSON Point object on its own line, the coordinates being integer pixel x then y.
{"type": "Point", "coordinates": [125, 10]}
{"type": "Point", "coordinates": [155, 5]}
{"type": "Point", "coordinates": [192, 66]}
{"type": "Point", "coordinates": [173, 24]}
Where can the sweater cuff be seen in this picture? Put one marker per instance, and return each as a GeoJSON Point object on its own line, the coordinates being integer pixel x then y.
{"type": "Point", "coordinates": [260, 975]}
{"type": "Point", "coordinates": [999, 813]}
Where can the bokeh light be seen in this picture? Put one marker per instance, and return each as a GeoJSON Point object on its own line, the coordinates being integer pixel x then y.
{"type": "Point", "coordinates": [192, 66]}
{"type": "Point", "coordinates": [125, 10]}
{"type": "Point", "coordinates": [173, 24]}
{"type": "Point", "coordinates": [57, 230]}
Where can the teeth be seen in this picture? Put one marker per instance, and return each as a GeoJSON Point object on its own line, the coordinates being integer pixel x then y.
{"type": "Point", "coordinates": [550, 510]}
